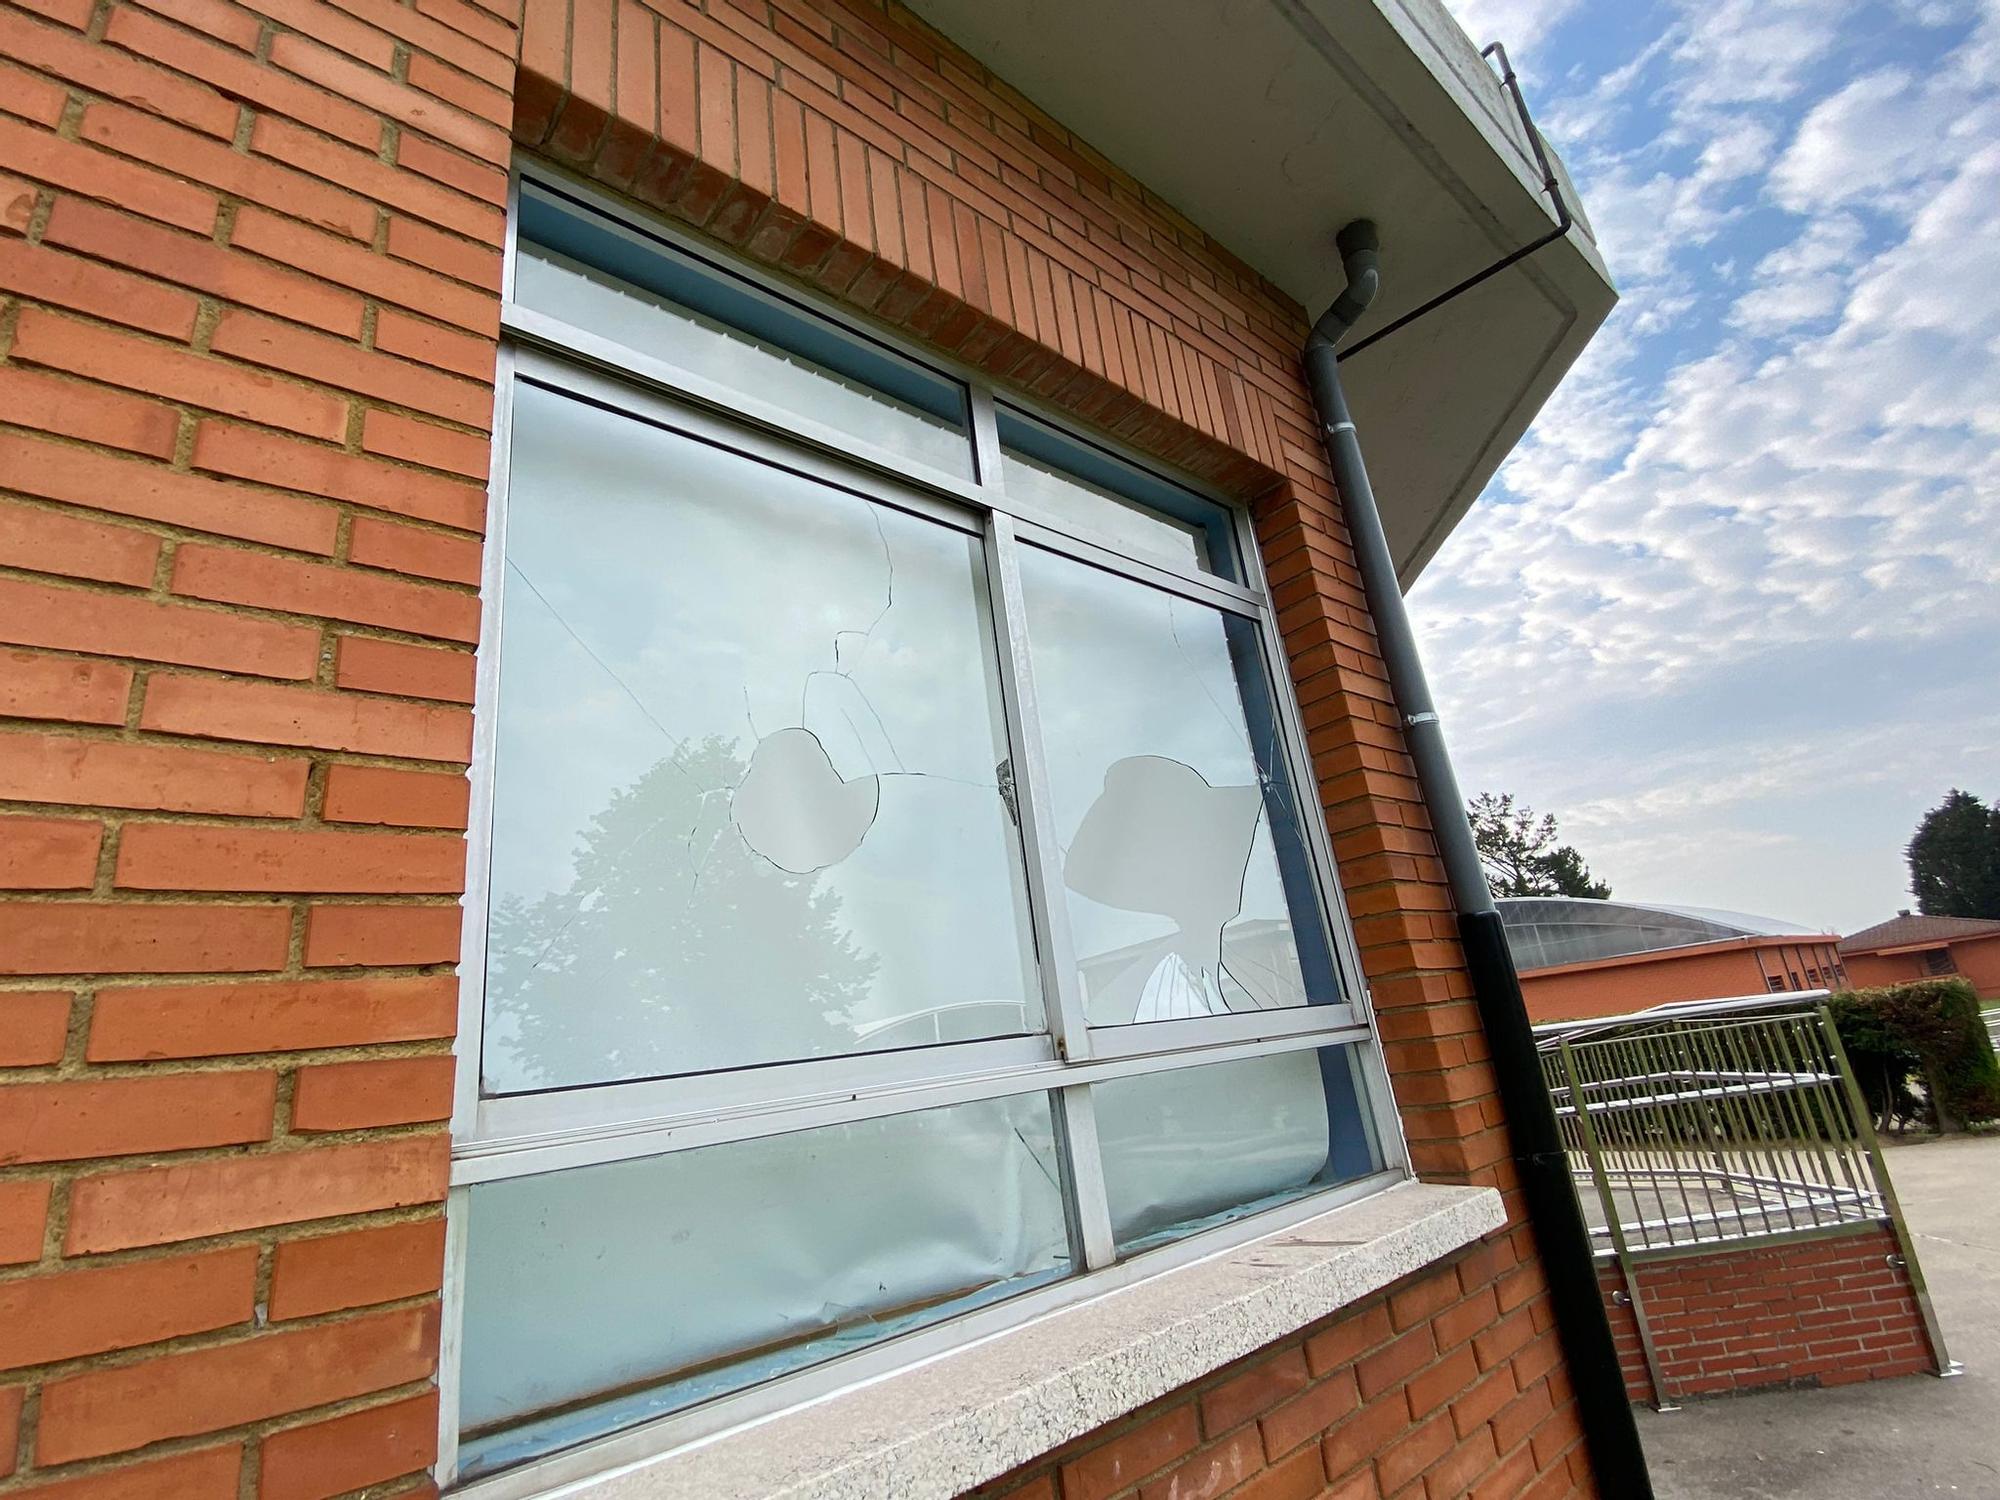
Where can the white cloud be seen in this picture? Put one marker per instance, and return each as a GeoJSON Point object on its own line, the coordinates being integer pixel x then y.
{"type": "Point", "coordinates": [1755, 537]}
{"type": "Point", "coordinates": [1736, 52]}
{"type": "Point", "coordinates": [1520, 24]}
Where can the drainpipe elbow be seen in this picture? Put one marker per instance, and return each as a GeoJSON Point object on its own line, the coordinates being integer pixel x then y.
{"type": "Point", "coordinates": [1360, 257]}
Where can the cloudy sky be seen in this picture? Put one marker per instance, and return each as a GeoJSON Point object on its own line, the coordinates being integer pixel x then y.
{"type": "Point", "coordinates": [1743, 575]}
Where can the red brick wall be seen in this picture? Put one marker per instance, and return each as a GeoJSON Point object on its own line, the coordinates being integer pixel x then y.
{"type": "Point", "coordinates": [1798, 1312]}
{"type": "Point", "coordinates": [1443, 1386]}
{"type": "Point", "coordinates": [1705, 971]}
{"type": "Point", "coordinates": [1975, 960]}
{"type": "Point", "coordinates": [248, 302]}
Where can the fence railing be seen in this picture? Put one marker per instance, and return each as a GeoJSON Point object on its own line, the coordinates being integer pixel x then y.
{"type": "Point", "coordinates": [1707, 1125]}
{"type": "Point", "coordinates": [1685, 1132]}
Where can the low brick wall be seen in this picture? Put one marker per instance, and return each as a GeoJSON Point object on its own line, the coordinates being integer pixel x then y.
{"type": "Point", "coordinates": [1788, 1313]}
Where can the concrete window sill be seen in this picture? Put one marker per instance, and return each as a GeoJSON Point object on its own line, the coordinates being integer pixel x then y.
{"type": "Point", "coordinates": [936, 1429]}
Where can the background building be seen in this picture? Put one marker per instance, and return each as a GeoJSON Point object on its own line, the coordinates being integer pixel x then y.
{"type": "Point", "coordinates": [1916, 947]}
{"type": "Point", "coordinates": [1581, 958]}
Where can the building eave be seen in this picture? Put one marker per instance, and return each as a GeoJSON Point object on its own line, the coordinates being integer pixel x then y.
{"type": "Point", "coordinates": [1271, 123]}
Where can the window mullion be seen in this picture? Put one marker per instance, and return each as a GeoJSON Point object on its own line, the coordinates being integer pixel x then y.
{"type": "Point", "coordinates": [1076, 1119]}
{"type": "Point", "coordinates": [1063, 999]}
{"type": "Point", "coordinates": [1091, 1236]}
{"type": "Point", "coordinates": [985, 437]}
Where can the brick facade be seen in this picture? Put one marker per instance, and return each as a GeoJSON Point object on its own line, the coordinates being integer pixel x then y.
{"type": "Point", "coordinates": [1443, 1386]}
{"type": "Point", "coordinates": [1792, 1312]}
{"type": "Point", "coordinates": [249, 256]}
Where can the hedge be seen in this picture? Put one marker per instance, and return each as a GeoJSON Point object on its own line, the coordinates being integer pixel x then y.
{"type": "Point", "coordinates": [1930, 1030]}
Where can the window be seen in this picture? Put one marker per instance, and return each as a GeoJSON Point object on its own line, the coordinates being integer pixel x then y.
{"type": "Point", "coordinates": [894, 901]}
{"type": "Point", "coordinates": [1938, 961]}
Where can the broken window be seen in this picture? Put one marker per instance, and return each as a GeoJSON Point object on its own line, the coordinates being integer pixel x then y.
{"type": "Point", "coordinates": [895, 892]}
{"type": "Point", "coordinates": [1184, 863]}
{"type": "Point", "coordinates": [749, 725]}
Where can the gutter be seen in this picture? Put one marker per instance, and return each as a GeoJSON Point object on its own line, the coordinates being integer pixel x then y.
{"type": "Point", "coordinates": [1537, 1149]}
{"type": "Point", "coordinates": [1551, 185]}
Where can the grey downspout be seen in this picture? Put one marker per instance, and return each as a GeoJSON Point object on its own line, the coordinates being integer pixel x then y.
{"type": "Point", "coordinates": [1536, 1145]}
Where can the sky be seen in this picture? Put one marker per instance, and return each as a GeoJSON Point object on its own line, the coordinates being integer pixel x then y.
{"type": "Point", "coordinates": [1731, 610]}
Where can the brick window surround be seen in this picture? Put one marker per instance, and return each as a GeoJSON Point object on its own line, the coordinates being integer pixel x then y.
{"type": "Point", "coordinates": [249, 299]}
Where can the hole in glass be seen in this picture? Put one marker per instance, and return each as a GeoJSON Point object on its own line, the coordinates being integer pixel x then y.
{"type": "Point", "coordinates": [1160, 840]}
{"type": "Point", "coordinates": [1187, 877]}
{"type": "Point", "coordinates": [795, 809]}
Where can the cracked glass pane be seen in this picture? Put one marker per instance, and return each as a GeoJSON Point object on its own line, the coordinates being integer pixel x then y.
{"type": "Point", "coordinates": [1195, 1147]}
{"type": "Point", "coordinates": [748, 800]}
{"type": "Point", "coordinates": [594, 1298]}
{"type": "Point", "coordinates": [1185, 868]}
{"type": "Point", "coordinates": [601, 303]}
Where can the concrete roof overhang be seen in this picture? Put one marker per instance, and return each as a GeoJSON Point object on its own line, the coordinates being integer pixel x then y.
{"type": "Point", "coordinates": [1271, 123]}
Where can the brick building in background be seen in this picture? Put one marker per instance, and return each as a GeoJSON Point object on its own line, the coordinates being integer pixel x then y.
{"type": "Point", "coordinates": [1018, 315]}
{"type": "Point", "coordinates": [1908, 947]}
{"type": "Point", "coordinates": [1579, 957]}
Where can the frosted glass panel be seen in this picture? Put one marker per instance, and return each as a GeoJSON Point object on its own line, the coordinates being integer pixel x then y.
{"type": "Point", "coordinates": [1145, 533]}
{"type": "Point", "coordinates": [660, 1282]}
{"type": "Point", "coordinates": [1187, 1149]}
{"type": "Point", "coordinates": [654, 324]}
{"type": "Point", "coordinates": [1185, 868]}
{"type": "Point", "coordinates": [747, 801]}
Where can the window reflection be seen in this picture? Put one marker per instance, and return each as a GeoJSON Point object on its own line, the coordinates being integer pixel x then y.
{"type": "Point", "coordinates": [646, 320]}
{"type": "Point", "coordinates": [604, 1295]}
{"type": "Point", "coordinates": [747, 799]}
{"type": "Point", "coordinates": [1072, 502]}
{"type": "Point", "coordinates": [1194, 1147]}
{"type": "Point", "coordinates": [1185, 869]}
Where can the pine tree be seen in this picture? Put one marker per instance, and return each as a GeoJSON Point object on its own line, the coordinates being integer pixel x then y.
{"type": "Point", "coordinates": [1955, 858]}
{"type": "Point", "coordinates": [1521, 852]}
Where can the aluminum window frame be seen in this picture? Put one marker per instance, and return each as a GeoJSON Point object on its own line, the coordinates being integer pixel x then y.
{"type": "Point", "coordinates": [521, 1134]}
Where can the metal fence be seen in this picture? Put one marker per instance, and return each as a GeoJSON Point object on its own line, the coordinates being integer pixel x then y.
{"type": "Point", "coordinates": [1686, 1132]}
{"type": "Point", "coordinates": [1711, 1124]}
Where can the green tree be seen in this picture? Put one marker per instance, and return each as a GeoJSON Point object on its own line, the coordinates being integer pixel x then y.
{"type": "Point", "coordinates": [1522, 853]}
{"type": "Point", "coordinates": [1955, 858]}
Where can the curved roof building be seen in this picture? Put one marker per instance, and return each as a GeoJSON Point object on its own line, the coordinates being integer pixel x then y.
{"type": "Point", "coordinates": [1579, 957]}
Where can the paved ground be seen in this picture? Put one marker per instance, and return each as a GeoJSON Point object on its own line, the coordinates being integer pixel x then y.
{"type": "Point", "coordinates": [1883, 1440]}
